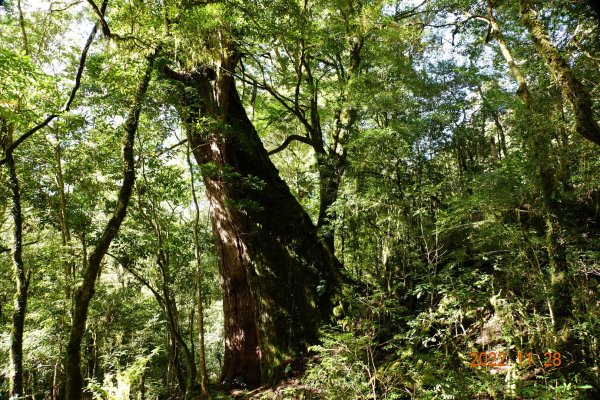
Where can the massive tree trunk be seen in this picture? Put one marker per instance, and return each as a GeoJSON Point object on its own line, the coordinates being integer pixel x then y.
{"type": "Point", "coordinates": [576, 93]}
{"type": "Point", "coordinates": [85, 291]}
{"type": "Point", "coordinates": [276, 275]}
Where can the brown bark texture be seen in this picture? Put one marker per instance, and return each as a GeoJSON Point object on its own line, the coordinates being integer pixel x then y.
{"type": "Point", "coordinates": [277, 277]}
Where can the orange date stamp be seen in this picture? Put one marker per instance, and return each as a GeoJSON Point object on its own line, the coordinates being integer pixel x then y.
{"type": "Point", "coordinates": [501, 359]}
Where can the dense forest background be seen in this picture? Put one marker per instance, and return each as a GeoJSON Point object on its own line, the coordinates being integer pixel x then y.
{"type": "Point", "coordinates": [299, 199]}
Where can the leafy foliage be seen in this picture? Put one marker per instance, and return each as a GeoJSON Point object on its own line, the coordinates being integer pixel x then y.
{"type": "Point", "coordinates": [450, 186]}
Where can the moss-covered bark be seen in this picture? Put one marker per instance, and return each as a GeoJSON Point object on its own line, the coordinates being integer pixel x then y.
{"type": "Point", "coordinates": [540, 143]}
{"type": "Point", "coordinates": [572, 89]}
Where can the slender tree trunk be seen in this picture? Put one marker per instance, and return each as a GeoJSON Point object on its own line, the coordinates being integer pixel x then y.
{"type": "Point", "coordinates": [54, 388]}
{"type": "Point", "coordinates": [92, 356]}
{"type": "Point", "coordinates": [187, 384]}
{"type": "Point", "coordinates": [143, 386]}
{"type": "Point", "coordinates": [201, 339]}
{"type": "Point", "coordinates": [500, 129]}
{"type": "Point", "coordinates": [494, 149]}
{"type": "Point", "coordinates": [166, 300]}
{"type": "Point", "coordinates": [331, 170]}
{"type": "Point", "coordinates": [199, 282]}
{"type": "Point", "coordinates": [503, 150]}
{"type": "Point", "coordinates": [572, 89]}
{"type": "Point", "coordinates": [85, 291]}
{"type": "Point", "coordinates": [22, 26]}
{"type": "Point", "coordinates": [561, 292]}
{"type": "Point", "coordinates": [170, 309]}
{"type": "Point", "coordinates": [523, 89]}
{"type": "Point", "coordinates": [16, 387]}
{"type": "Point", "coordinates": [276, 275]}
{"type": "Point", "coordinates": [176, 341]}
{"type": "Point", "coordinates": [176, 368]}
{"type": "Point", "coordinates": [62, 219]}
{"type": "Point", "coordinates": [332, 164]}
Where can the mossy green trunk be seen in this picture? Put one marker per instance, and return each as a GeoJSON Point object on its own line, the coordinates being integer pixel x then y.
{"type": "Point", "coordinates": [539, 143]}
{"type": "Point", "coordinates": [572, 89]}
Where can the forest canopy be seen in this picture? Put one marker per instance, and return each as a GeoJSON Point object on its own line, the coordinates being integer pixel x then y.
{"type": "Point", "coordinates": [289, 199]}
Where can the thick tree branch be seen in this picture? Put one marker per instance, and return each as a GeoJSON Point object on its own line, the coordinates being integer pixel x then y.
{"type": "Point", "coordinates": [82, 61]}
{"type": "Point", "coordinates": [100, 14]}
{"type": "Point", "coordinates": [523, 89]}
{"type": "Point", "coordinates": [287, 142]}
{"type": "Point", "coordinates": [4, 249]}
{"type": "Point", "coordinates": [24, 137]}
{"type": "Point", "coordinates": [206, 73]}
{"type": "Point", "coordinates": [105, 28]}
{"type": "Point", "coordinates": [168, 149]}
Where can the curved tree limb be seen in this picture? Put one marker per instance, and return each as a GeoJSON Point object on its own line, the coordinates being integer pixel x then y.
{"type": "Point", "coordinates": [82, 60]}
{"type": "Point", "coordinates": [106, 29]}
{"type": "Point", "coordinates": [24, 137]}
{"type": "Point", "coordinates": [139, 277]}
{"type": "Point", "coordinates": [100, 13]}
{"type": "Point", "coordinates": [287, 142]}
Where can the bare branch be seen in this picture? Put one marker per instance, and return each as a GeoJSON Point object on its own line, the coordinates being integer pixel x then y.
{"type": "Point", "coordinates": [410, 12]}
{"type": "Point", "coordinates": [287, 142]}
{"type": "Point", "coordinates": [168, 149]}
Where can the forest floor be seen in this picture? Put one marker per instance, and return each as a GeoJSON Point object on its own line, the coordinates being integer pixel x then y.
{"type": "Point", "coordinates": [288, 385]}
